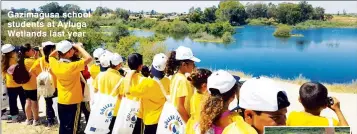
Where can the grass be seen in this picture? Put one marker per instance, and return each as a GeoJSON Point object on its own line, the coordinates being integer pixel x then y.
{"type": "Point", "coordinates": [304, 130]}
{"type": "Point", "coordinates": [299, 80]}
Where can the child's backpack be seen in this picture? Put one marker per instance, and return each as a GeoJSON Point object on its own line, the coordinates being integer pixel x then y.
{"type": "Point", "coordinates": [45, 84]}
{"type": "Point", "coordinates": [20, 74]}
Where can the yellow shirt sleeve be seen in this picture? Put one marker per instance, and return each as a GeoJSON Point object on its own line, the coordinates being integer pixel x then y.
{"type": "Point", "coordinates": [77, 66]}
{"type": "Point", "coordinates": [36, 66]}
{"type": "Point", "coordinates": [142, 90]}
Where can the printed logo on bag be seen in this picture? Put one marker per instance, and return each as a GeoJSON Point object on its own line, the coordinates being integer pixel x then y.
{"type": "Point", "coordinates": [107, 111]}
{"type": "Point", "coordinates": [131, 117]}
{"type": "Point", "coordinates": [174, 124]}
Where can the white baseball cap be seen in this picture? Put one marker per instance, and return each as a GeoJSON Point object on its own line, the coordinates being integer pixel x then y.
{"type": "Point", "coordinates": [221, 80]}
{"type": "Point", "coordinates": [159, 62]}
{"type": "Point", "coordinates": [105, 58]}
{"type": "Point", "coordinates": [116, 59]}
{"type": "Point", "coordinates": [262, 94]}
{"type": "Point", "coordinates": [98, 52]}
{"type": "Point", "coordinates": [64, 46]}
{"type": "Point", "coordinates": [47, 43]}
{"type": "Point", "coordinates": [185, 53]}
{"type": "Point", "coordinates": [7, 48]}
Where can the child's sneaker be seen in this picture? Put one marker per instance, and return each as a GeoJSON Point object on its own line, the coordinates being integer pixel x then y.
{"type": "Point", "coordinates": [29, 122]}
{"type": "Point", "coordinates": [15, 119]}
{"type": "Point", "coordinates": [36, 122]}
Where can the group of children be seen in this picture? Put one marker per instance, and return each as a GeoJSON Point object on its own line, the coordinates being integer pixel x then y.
{"type": "Point", "coordinates": [201, 97]}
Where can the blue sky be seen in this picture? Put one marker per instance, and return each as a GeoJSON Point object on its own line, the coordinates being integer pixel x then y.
{"type": "Point", "coordinates": [174, 6]}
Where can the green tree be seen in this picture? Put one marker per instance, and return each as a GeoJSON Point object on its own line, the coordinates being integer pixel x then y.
{"type": "Point", "coordinates": [283, 31]}
{"type": "Point", "coordinates": [125, 46]}
{"type": "Point", "coordinates": [122, 13]}
{"type": "Point", "coordinates": [191, 10]}
{"type": "Point", "coordinates": [69, 8]}
{"type": "Point", "coordinates": [272, 10]}
{"type": "Point", "coordinates": [328, 16]}
{"type": "Point", "coordinates": [121, 30]}
{"type": "Point", "coordinates": [257, 10]}
{"type": "Point", "coordinates": [99, 11]}
{"type": "Point", "coordinates": [319, 13]}
{"type": "Point", "coordinates": [306, 11]}
{"type": "Point", "coordinates": [52, 7]}
{"type": "Point", "coordinates": [196, 16]}
{"type": "Point", "coordinates": [344, 12]}
{"type": "Point", "coordinates": [232, 11]}
{"type": "Point", "coordinates": [209, 14]}
{"type": "Point", "coordinates": [288, 13]}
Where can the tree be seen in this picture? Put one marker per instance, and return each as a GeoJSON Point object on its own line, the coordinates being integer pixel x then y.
{"type": "Point", "coordinates": [232, 11]}
{"type": "Point", "coordinates": [99, 11]}
{"type": "Point", "coordinates": [120, 31]}
{"type": "Point", "coordinates": [69, 8]}
{"type": "Point", "coordinates": [33, 10]}
{"type": "Point", "coordinates": [272, 11]}
{"type": "Point", "coordinates": [306, 11]}
{"type": "Point", "coordinates": [288, 13]}
{"type": "Point", "coordinates": [196, 16]}
{"type": "Point", "coordinates": [153, 12]}
{"type": "Point", "coordinates": [338, 13]}
{"type": "Point", "coordinates": [122, 13]}
{"type": "Point", "coordinates": [21, 10]}
{"type": "Point", "coordinates": [52, 7]}
{"type": "Point", "coordinates": [283, 31]}
{"type": "Point", "coordinates": [191, 10]}
{"type": "Point", "coordinates": [344, 12]}
{"type": "Point", "coordinates": [209, 14]}
{"type": "Point", "coordinates": [257, 10]}
{"type": "Point", "coordinates": [319, 13]}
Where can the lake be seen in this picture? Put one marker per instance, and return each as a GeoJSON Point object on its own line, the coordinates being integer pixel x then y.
{"type": "Point", "coordinates": [325, 54]}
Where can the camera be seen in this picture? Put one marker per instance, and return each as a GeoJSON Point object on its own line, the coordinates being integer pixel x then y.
{"type": "Point", "coordinates": [330, 101]}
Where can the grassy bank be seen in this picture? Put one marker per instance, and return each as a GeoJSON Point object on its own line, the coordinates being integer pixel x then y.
{"type": "Point", "coordinates": [350, 87]}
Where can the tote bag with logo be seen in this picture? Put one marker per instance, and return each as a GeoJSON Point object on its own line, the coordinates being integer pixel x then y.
{"type": "Point", "coordinates": [170, 121]}
{"type": "Point", "coordinates": [126, 117]}
{"type": "Point", "coordinates": [102, 112]}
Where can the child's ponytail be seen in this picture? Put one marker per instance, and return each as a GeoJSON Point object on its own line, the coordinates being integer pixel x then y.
{"type": "Point", "coordinates": [172, 64]}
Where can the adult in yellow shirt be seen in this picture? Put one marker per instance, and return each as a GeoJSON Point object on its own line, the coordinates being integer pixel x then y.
{"type": "Point", "coordinates": [313, 96]}
{"type": "Point", "coordinates": [263, 103]}
{"type": "Point", "coordinates": [131, 81]}
{"type": "Point", "coordinates": [31, 107]}
{"type": "Point", "coordinates": [109, 80]}
{"type": "Point", "coordinates": [68, 84]}
{"type": "Point", "coordinates": [181, 61]}
{"type": "Point", "coordinates": [95, 69]}
{"type": "Point", "coordinates": [47, 48]}
{"type": "Point", "coordinates": [215, 115]}
{"type": "Point", "coordinates": [199, 80]}
{"type": "Point", "coordinates": [8, 60]}
{"type": "Point", "coordinates": [153, 97]}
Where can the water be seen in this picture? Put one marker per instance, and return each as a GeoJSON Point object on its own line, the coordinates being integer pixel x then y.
{"type": "Point", "coordinates": [325, 55]}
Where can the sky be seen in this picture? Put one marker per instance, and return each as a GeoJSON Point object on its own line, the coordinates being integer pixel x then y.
{"type": "Point", "coordinates": [173, 6]}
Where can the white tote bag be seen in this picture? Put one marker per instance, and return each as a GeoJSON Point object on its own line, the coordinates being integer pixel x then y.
{"type": "Point", "coordinates": [102, 112]}
{"type": "Point", "coordinates": [126, 117]}
{"type": "Point", "coordinates": [4, 97]}
{"type": "Point", "coordinates": [86, 94]}
{"type": "Point", "coordinates": [170, 121]}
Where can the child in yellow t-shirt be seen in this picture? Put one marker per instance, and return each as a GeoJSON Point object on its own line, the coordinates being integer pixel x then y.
{"type": "Point", "coordinates": [313, 96]}
{"type": "Point", "coordinates": [199, 80]}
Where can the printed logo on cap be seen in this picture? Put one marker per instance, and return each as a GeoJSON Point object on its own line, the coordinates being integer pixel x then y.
{"type": "Point", "coordinates": [132, 117]}
{"type": "Point", "coordinates": [107, 111]}
{"type": "Point", "coordinates": [174, 124]}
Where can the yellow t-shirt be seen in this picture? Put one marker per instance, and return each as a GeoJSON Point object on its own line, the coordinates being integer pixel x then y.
{"type": "Point", "coordinates": [106, 83]}
{"type": "Point", "coordinates": [10, 83]}
{"type": "Point", "coordinates": [152, 99]}
{"type": "Point", "coordinates": [36, 67]}
{"type": "Point", "coordinates": [183, 88]}
{"type": "Point", "coordinates": [30, 85]}
{"type": "Point", "coordinates": [239, 127]}
{"type": "Point", "coordinates": [135, 81]}
{"type": "Point", "coordinates": [94, 70]}
{"type": "Point", "coordinates": [195, 107]}
{"type": "Point", "coordinates": [68, 80]}
{"type": "Point", "coordinates": [306, 119]}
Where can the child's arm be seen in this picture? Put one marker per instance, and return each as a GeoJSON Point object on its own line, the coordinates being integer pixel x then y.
{"type": "Point", "coordinates": [336, 107]}
{"type": "Point", "coordinates": [181, 109]}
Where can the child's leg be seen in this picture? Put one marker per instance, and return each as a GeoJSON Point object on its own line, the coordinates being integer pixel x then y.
{"type": "Point", "coordinates": [28, 110]}
{"type": "Point", "coordinates": [150, 129]}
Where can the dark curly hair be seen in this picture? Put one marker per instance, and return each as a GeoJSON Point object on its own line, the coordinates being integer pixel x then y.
{"type": "Point", "coordinates": [199, 77]}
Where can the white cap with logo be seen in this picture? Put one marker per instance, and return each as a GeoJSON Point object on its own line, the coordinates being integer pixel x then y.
{"type": "Point", "coordinates": [221, 80]}
{"type": "Point", "coordinates": [47, 43]}
{"type": "Point", "coordinates": [185, 53]}
{"type": "Point", "coordinates": [159, 62]}
{"type": "Point", "coordinates": [7, 48]}
{"type": "Point", "coordinates": [105, 58]}
{"type": "Point", "coordinates": [116, 59]}
{"type": "Point", "coordinates": [261, 94]}
{"type": "Point", "coordinates": [64, 46]}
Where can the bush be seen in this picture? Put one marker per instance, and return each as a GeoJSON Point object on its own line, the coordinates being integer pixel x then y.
{"type": "Point", "coordinates": [148, 23]}
{"type": "Point", "coordinates": [283, 31]}
{"type": "Point", "coordinates": [163, 27]}
{"type": "Point", "coordinates": [179, 27]}
{"type": "Point", "coordinates": [227, 37]}
{"type": "Point", "coordinates": [120, 31]}
{"type": "Point", "coordinates": [219, 28]}
{"type": "Point", "coordinates": [196, 27]}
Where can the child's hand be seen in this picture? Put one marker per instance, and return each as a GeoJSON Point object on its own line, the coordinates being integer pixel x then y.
{"type": "Point", "coordinates": [336, 104]}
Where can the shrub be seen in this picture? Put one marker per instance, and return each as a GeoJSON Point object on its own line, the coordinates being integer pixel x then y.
{"type": "Point", "coordinates": [227, 37]}
{"type": "Point", "coordinates": [179, 27]}
{"type": "Point", "coordinates": [283, 31]}
{"type": "Point", "coordinates": [148, 23]}
{"type": "Point", "coordinates": [162, 27]}
{"type": "Point", "coordinates": [196, 27]}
